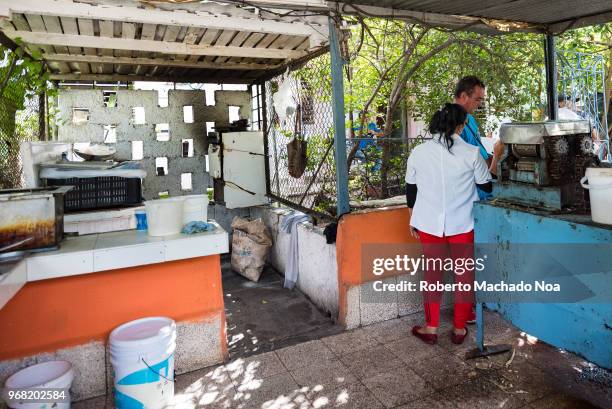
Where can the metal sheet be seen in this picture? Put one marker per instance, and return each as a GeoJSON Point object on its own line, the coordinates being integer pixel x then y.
{"type": "Point", "coordinates": [33, 214]}
{"type": "Point", "coordinates": [535, 132]}
{"type": "Point", "coordinates": [589, 334]}
{"type": "Point", "coordinates": [536, 12]}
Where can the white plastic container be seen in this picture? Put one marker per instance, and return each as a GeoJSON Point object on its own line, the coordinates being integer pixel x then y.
{"type": "Point", "coordinates": [101, 221]}
{"type": "Point", "coordinates": [142, 355]}
{"type": "Point", "coordinates": [51, 374]}
{"type": "Point", "coordinates": [164, 216]}
{"type": "Point", "coordinates": [600, 193]}
{"type": "Point", "coordinates": [195, 208]}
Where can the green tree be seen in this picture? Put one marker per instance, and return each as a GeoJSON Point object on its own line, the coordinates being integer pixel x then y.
{"type": "Point", "coordinates": [22, 76]}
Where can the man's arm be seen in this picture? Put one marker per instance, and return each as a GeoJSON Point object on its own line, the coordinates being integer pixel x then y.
{"type": "Point", "coordinates": [498, 152]}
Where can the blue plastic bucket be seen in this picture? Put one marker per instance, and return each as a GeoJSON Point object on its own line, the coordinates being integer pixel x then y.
{"type": "Point", "coordinates": [142, 355]}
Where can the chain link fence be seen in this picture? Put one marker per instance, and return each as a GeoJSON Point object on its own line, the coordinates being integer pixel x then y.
{"type": "Point", "coordinates": [300, 136]}
{"type": "Point", "coordinates": [302, 171]}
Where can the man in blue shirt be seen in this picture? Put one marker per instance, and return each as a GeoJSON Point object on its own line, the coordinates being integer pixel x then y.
{"type": "Point", "coordinates": [470, 94]}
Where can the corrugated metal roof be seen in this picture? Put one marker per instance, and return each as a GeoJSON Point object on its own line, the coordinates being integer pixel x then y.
{"type": "Point", "coordinates": [553, 15]}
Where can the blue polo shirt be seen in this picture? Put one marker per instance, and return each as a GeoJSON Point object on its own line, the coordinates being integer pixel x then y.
{"type": "Point", "coordinates": [471, 135]}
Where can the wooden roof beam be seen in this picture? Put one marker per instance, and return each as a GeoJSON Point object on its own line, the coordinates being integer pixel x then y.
{"type": "Point", "coordinates": [157, 61]}
{"type": "Point", "coordinates": [203, 79]}
{"type": "Point", "coordinates": [68, 8]}
{"type": "Point", "coordinates": [163, 47]}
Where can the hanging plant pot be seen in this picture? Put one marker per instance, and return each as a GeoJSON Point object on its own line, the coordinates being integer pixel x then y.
{"type": "Point", "coordinates": [297, 158]}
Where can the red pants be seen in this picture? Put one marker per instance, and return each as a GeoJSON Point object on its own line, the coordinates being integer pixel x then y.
{"type": "Point", "coordinates": [460, 246]}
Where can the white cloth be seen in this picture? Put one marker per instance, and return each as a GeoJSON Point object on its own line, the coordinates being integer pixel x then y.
{"type": "Point", "coordinates": [446, 183]}
{"type": "Point", "coordinates": [289, 225]}
{"type": "Point", "coordinates": [566, 113]}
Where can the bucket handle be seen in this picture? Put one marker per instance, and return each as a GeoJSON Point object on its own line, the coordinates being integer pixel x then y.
{"type": "Point", "coordinates": [155, 372]}
{"type": "Point", "coordinates": [586, 186]}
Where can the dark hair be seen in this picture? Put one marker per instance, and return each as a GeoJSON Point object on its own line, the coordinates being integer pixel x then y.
{"type": "Point", "coordinates": [446, 120]}
{"type": "Point", "coordinates": [467, 85]}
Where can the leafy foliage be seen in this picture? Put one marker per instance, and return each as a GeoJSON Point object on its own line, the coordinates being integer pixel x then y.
{"type": "Point", "coordinates": [22, 79]}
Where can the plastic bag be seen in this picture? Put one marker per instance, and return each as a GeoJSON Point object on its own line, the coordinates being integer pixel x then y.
{"type": "Point", "coordinates": [250, 245]}
{"type": "Point", "coordinates": [284, 101]}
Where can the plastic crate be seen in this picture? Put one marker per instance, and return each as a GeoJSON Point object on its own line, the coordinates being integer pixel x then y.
{"type": "Point", "coordinates": [99, 192]}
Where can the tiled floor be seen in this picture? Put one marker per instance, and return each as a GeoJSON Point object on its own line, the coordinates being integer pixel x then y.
{"type": "Point", "coordinates": [382, 366]}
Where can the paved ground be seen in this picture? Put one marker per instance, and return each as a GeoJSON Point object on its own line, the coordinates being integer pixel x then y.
{"type": "Point", "coordinates": [382, 366]}
{"type": "Point", "coordinates": [264, 316]}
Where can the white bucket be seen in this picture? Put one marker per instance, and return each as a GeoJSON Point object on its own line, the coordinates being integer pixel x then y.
{"type": "Point", "coordinates": [195, 208]}
{"type": "Point", "coordinates": [49, 375]}
{"type": "Point", "coordinates": [142, 355]}
{"type": "Point", "coordinates": [600, 193]}
{"type": "Point", "coordinates": [164, 216]}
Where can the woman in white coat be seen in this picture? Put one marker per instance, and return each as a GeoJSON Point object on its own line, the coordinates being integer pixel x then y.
{"type": "Point", "coordinates": [441, 179]}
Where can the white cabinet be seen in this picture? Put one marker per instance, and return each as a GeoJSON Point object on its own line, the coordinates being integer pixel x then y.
{"type": "Point", "coordinates": [244, 172]}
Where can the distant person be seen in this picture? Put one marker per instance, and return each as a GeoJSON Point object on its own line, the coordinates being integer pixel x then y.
{"type": "Point", "coordinates": [567, 108]}
{"type": "Point", "coordinates": [442, 175]}
{"type": "Point", "coordinates": [375, 130]}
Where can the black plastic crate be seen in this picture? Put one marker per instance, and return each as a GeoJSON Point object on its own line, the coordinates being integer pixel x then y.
{"type": "Point", "coordinates": [99, 192]}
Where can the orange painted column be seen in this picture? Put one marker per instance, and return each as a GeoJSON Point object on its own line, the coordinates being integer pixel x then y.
{"type": "Point", "coordinates": [51, 314]}
{"type": "Point", "coordinates": [379, 226]}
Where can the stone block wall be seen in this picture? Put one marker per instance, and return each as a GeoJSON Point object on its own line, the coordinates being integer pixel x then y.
{"type": "Point", "coordinates": [129, 132]}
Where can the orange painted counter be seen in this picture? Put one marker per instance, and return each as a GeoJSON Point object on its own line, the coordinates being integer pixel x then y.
{"type": "Point", "coordinates": [75, 296]}
{"type": "Point", "coordinates": [51, 314]}
{"type": "Point", "coordinates": [376, 226]}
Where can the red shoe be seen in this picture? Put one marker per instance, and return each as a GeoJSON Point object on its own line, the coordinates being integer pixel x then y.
{"type": "Point", "coordinates": [426, 338]}
{"type": "Point", "coordinates": [458, 339]}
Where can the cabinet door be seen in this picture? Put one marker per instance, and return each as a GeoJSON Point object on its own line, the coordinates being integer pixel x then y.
{"type": "Point", "coordinates": [244, 169]}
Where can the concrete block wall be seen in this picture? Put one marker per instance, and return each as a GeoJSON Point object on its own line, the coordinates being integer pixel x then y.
{"type": "Point", "coordinates": [127, 131]}
{"type": "Point", "coordinates": [318, 269]}
{"type": "Point", "coordinates": [359, 303]}
{"type": "Point", "coordinates": [364, 306]}
{"type": "Point", "coordinates": [198, 346]}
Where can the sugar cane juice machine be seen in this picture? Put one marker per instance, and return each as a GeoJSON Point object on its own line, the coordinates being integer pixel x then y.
{"type": "Point", "coordinates": [538, 205]}
{"type": "Point", "coordinates": [543, 163]}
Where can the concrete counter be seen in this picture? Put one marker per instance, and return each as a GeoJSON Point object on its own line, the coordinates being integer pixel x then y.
{"type": "Point", "coordinates": [130, 248]}
{"type": "Point", "coordinates": [75, 296]}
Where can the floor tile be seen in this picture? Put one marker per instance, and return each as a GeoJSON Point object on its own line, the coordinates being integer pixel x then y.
{"type": "Point", "coordinates": [206, 388]}
{"type": "Point", "coordinates": [277, 391]}
{"type": "Point", "coordinates": [101, 402]}
{"type": "Point", "coordinates": [480, 393]}
{"type": "Point", "coordinates": [244, 370]}
{"type": "Point", "coordinates": [443, 371]}
{"type": "Point", "coordinates": [397, 386]}
{"type": "Point", "coordinates": [350, 341]}
{"type": "Point", "coordinates": [411, 349]}
{"type": "Point", "coordinates": [329, 375]}
{"type": "Point", "coordinates": [560, 401]}
{"type": "Point", "coordinates": [369, 362]}
{"type": "Point", "coordinates": [388, 331]}
{"type": "Point", "coordinates": [304, 354]}
{"type": "Point", "coordinates": [352, 396]}
{"type": "Point", "coordinates": [528, 381]}
{"type": "Point", "coordinates": [433, 401]}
